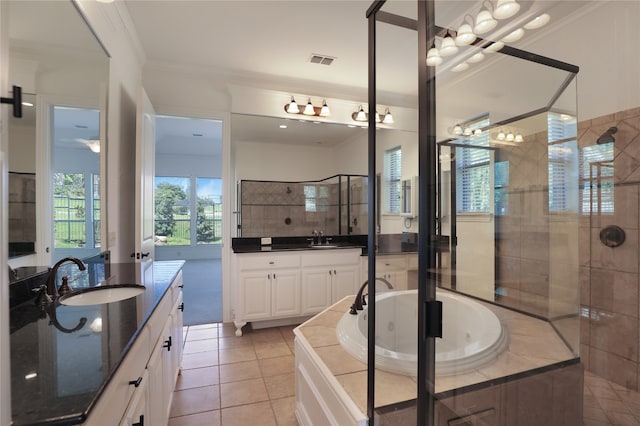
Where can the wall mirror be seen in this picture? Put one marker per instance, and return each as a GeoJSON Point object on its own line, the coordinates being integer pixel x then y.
{"type": "Point", "coordinates": [54, 151]}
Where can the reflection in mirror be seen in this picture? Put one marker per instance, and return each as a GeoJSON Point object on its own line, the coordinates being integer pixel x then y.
{"type": "Point", "coordinates": [62, 68]}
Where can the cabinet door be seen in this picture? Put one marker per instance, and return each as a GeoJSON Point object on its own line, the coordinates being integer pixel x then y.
{"type": "Point", "coordinates": [254, 296]}
{"type": "Point", "coordinates": [285, 291]}
{"type": "Point", "coordinates": [316, 290]}
{"type": "Point", "coordinates": [344, 282]}
{"type": "Point", "coordinates": [156, 382]}
{"type": "Point", "coordinates": [176, 334]}
{"type": "Point", "coordinates": [137, 411]}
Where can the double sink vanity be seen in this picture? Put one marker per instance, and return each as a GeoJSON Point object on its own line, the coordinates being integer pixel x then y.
{"type": "Point", "coordinates": [118, 368]}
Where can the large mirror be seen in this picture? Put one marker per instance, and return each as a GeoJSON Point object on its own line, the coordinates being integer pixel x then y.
{"type": "Point", "coordinates": [54, 150]}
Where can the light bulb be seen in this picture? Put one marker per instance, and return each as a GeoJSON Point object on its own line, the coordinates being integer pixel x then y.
{"type": "Point", "coordinates": [448, 47]}
{"type": "Point", "coordinates": [460, 67]}
{"type": "Point", "coordinates": [324, 111]}
{"type": "Point", "coordinates": [513, 36]}
{"type": "Point", "coordinates": [465, 35]}
{"type": "Point", "coordinates": [538, 21]}
{"type": "Point", "coordinates": [388, 118]}
{"type": "Point", "coordinates": [476, 58]}
{"type": "Point", "coordinates": [477, 132]}
{"type": "Point", "coordinates": [433, 57]}
{"type": "Point", "coordinates": [510, 137]}
{"type": "Point", "coordinates": [501, 136]}
{"type": "Point", "coordinates": [484, 22]}
{"type": "Point", "coordinates": [308, 109]}
{"type": "Point", "coordinates": [361, 116]}
{"type": "Point", "coordinates": [494, 47]}
{"type": "Point", "coordinates": [457, 129]}
{"type": "Point", "coordinates": [293, 107]}
{"type": "Point", "coordinates": [505, 9]}
{"type": "Point", "coordinates": [378, 120]}
{"type": "Point", "coordinates": [518, 138]}
{"type": "Point", "coordinates": [467, 131]}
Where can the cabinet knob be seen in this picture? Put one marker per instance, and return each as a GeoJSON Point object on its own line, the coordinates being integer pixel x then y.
{"type": "Point", "coordinates": [141, 422]}
{"type": "Point", "coordinates": [167, 344]}
{"type": "Point", "coordinates": [136, 382]}
{"type": "Point", "coordinates": [181, 307]}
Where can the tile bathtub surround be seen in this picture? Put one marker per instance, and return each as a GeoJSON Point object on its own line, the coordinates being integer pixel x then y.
{"type": "Point", "coordinates": [610, 277]}
{"type": "Point", "coordinates": [232, 381]}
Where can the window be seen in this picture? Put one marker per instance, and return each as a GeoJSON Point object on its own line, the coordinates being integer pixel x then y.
{"type": "Point", "coordinates": [175, 223]}
{"type": "Point", "coordinates": [392, 176]}
{"type": "Point", "coordinates": [562, 165]}
{"type": "Point", "coordinates": [473, 172]}
{"type": "Point", "coordinates": [316, 198]}
{"type": "Point", "coordinates": [501, 195]}
{"type": "Point", "coordinates": [76, 210]}
{"type": "Point", "coordinates": [596, 177]}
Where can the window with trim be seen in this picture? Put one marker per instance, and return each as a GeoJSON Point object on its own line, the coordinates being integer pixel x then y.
{"type": "Point", "coordinates": [316, 198]}
{"type": "Point", "coordinates": [596, 179]}
{"type": "Point", "coordinates": [473, 171]}
{"type": "Point", "coordinates": [392, 179]}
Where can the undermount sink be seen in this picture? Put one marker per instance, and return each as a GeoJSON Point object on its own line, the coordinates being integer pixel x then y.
{"type": "Point", "coordinates": [324, 246]}
{"type": "Point", "coordinates": [101, 294]}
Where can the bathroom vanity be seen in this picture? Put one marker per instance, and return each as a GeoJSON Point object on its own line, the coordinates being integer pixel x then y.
{"type": "Point", "coordinates": [287, 282]}
{"type": "Point", "coordinates": [119, 368]}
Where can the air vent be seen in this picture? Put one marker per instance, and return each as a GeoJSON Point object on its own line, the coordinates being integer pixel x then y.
{"type": "Point", "coordinates": [321, 59]}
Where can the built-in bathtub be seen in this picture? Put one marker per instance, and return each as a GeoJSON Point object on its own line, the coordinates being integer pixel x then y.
{"type": "Point", "coordinates": [472, 334]}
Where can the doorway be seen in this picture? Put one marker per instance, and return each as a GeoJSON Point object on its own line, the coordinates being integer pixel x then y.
{"type": "Point", "coordinates": [188, 209]}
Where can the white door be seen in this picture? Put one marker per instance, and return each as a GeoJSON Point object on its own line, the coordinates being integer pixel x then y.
{"type": "Point", "coordinates": [145, 174]}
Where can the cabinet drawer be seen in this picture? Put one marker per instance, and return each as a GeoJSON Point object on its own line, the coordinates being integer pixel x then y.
{"type": "Point", "coordinates": [336, 257]}
{"type": "Point", "coordinates": [268, 261]}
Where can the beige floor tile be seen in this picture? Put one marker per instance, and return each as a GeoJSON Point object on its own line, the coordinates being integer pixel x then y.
{"type": "Point", "coordinates": [197, 400]}
{"type": "Point", "coordinates": [194, 346]}
{"type": "Point", "coordinates": [623, 419]}
{"type": "Point", "coordinates": [270, 350]}
{"type": "Point", "coordinates": [203, 326]}
{"type": "Point", "coordinates": [266, 335]}
{"type": "Point", "coordinates": [249, 415]}
{"type": "Point", "coordinates": [277, 365]}
{"type": "Point", "coordinates": [208, 418]}
{"type": "Point", "coordinates": [199, 360]}
{"type": "Point", "coordinates": [229, 356]}
{"type": "Point", "coordinates": [198, 377]}
{"type": "Point", "coordinates": [205, 333]}
{"type": "Point", "coordinates": [239, 371]}
{"type": "Point", "coordinates": [244, 392]}
{"type": "Point", "coordinates": [280, 386]}
{"type": "Point", "coordinates": [285, 411]}
{"type": "Point", "coordinates": [234, 342]}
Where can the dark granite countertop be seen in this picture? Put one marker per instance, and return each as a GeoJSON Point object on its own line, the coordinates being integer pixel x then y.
{"type": "Point", "coordinates": [252, 245]}
{"type": "Point", "coordinates": [56, 376]}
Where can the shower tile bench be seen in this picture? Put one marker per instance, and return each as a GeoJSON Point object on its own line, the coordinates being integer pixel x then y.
{"type": "Point", "coordinates": [536, 378]}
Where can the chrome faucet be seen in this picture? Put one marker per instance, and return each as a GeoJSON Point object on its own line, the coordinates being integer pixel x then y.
{"type": "Point", "coordinates": [359, 302]}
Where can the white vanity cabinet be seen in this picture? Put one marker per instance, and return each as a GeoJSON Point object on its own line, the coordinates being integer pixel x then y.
{"type": "Point", "coordinates": [268, 287]}
{"type": "Point", "coordinates": [393, 268]}
{"type": "Point", "coordinates": [141, 389]}
{"type": "Point", "coordinates": [290, 284]}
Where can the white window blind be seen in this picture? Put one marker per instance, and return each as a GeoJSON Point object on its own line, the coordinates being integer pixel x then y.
{"type": "Point", "coordinates": [392, 176]}
{"type": "Point", "coordinates": [562, 162]}
{"type": "Point", "coordinates": [596, 177]}
{"type": "Point", "coordinates": [473, 167]}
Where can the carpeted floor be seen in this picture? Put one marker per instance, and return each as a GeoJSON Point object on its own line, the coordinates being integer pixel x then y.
{"type": "Point", "coordinates": [202, 291]}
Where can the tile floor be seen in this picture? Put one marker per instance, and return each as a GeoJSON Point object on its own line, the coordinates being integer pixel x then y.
{"type": "Point", "coordinates": [237, 381]}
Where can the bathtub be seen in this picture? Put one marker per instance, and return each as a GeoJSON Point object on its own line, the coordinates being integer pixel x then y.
{"type": "Point", "coordinates": [472, 334]}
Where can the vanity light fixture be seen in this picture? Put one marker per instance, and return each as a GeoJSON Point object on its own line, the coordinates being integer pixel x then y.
{"type": "Point", "coordinates": [467, 131]}
{"type": "Point", "coordinates": [387, 118]}
{"type": "Point", "coordinates": [309, 110]}
{"type": "Point", "coordinates": [476, 58]}
{"type": "Point", "coordinates": [501, 136]}
{"type": "Point", "coordinates": [460, 67]}
{"type": "Point", "coordinates": [494, 47]}
{"type": "Point", "coordinates": [513, 36]}
{"type": "Point", "coordinates": [433, 57]}
{"type": "Point", "coordinates": [518, 138]}
{"type": "Point", "coordinates": [292, 107]}
{"type": "Point", "coordinates": [465, 35]}
{"type": "Point", "coordinates": [457, 129]}
{"type": "Point", "coordinates": [360, 115]}
{"type": "Point", "coordinates": [505, 9]}
{"type": "Point", "coordinates": [448, 46]}
{"type": "Point", "coordinates": [477, 132]}
{"type": "Point", "coordinates": [484, 21]}
{"type": "Point", "coordinates": [510, 137]}
{"type": "Point", "coordinates": [538, 22]}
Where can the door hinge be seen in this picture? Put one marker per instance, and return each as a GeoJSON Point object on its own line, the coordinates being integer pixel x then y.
{"type": "Point", "coordinates": [433, 318]}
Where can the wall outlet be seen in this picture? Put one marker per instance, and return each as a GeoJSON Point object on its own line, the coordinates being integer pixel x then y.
{"type": "Point", "coordinates": [265, 241]}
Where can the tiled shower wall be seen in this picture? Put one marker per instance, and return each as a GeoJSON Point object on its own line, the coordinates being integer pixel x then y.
{"type": "Point", "coordinates": [609, 277]}
{"type": "Point", "coordinates": [278, 209]}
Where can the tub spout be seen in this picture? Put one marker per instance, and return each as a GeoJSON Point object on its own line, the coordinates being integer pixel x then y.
{"type": "Point", "coordinates": [359, 302]}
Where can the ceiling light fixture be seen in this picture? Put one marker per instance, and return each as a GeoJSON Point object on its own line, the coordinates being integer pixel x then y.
{"type": "Point", "coordinates": [538, 22]}
{"type": "Point", "coordinates": [505, 9]}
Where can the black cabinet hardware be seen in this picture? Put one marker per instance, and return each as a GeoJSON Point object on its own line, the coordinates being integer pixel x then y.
{"type": "Point", "coordinates": [167, 344]}
{"type": "Point", "coordinates": [137, 382]}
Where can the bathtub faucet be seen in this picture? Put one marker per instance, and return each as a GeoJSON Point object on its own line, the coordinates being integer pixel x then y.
{"type": "Point", "coordinates": [359, 302]}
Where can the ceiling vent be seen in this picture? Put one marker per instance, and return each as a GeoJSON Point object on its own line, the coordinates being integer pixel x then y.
{"type": "Point", "coordinates": [321, 59]}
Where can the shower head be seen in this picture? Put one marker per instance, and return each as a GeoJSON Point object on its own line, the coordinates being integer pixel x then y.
{"type": "Point", "coordinates": [607, 136]}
